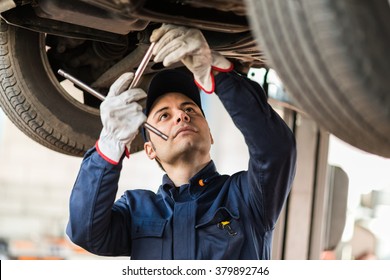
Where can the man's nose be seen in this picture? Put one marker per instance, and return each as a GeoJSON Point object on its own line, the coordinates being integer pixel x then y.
{"type": "Point", "coordinates": [183, 117]}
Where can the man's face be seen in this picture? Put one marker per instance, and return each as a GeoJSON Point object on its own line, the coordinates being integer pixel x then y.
{"type": "Point", "coordinates": [182, 121]}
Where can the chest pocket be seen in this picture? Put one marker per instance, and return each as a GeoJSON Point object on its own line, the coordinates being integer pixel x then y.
{"type": "Point", "coordinates": [147, 238]}
{"type": "Point", "coordinates": [219, 236]}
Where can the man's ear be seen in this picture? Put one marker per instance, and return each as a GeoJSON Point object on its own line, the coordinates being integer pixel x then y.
{"type": "Point", "coordinates": [149, 150]}
{"type": "Point", "coordinates": [211, 138]}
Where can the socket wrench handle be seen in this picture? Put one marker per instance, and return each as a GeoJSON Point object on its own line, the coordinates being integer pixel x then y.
{"type": "Point", "coordinates": [81, 85]}
{"type": "Point", "coordinates": [141, 68]}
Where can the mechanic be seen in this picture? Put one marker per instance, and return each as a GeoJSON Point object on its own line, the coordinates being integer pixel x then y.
{"type": "Point", "coordinates": [196, 213]}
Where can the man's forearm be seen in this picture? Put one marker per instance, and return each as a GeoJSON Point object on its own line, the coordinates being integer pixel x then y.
{"type": "Point", "coordinates": [92, 198]}
{"type": "Point", "coordinates": [247, 103]}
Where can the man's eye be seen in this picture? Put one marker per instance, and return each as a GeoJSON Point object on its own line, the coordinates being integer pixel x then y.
{"type": "Point", "coordinates": [163, 116]}
{"type": "Point", "coordinates": [189, 110]}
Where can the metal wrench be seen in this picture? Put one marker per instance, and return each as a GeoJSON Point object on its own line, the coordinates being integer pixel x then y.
{"type": "Point", "coordinates": [142, 66]}
{"type": "Point", "coordinates": [133, 84]}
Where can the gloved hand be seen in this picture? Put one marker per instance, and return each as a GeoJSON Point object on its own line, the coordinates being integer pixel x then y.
{"type": "Point", "coordinates": [188, 45]}
{"type": "Point", "coordinates": [121, 116]}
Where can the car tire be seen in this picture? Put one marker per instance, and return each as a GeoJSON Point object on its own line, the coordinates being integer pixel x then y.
{"type": "Point", "coordinates": [34, 100]}
{"type": "Point", "coordinates": [333, 58]}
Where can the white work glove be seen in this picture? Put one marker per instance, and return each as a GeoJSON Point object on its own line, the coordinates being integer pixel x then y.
{"type": "Point", "coordinates": [121, 116]}
{"type": "Point", "coordinates": [188, 45]}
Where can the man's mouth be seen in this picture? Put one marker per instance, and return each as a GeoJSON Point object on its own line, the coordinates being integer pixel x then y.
{"type": "Point", "coordinates": [185, 129]}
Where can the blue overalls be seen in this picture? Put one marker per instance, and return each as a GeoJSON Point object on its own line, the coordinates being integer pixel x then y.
{"type": "Point", "coordinates": [213, 216]}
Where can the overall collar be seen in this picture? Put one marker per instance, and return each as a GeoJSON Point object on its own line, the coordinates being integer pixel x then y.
{"type": "Point", "coordinates": [197, 184]}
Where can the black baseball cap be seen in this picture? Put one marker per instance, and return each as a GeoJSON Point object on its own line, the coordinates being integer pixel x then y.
{"type": "Point", "coordinates": [172, 80]}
